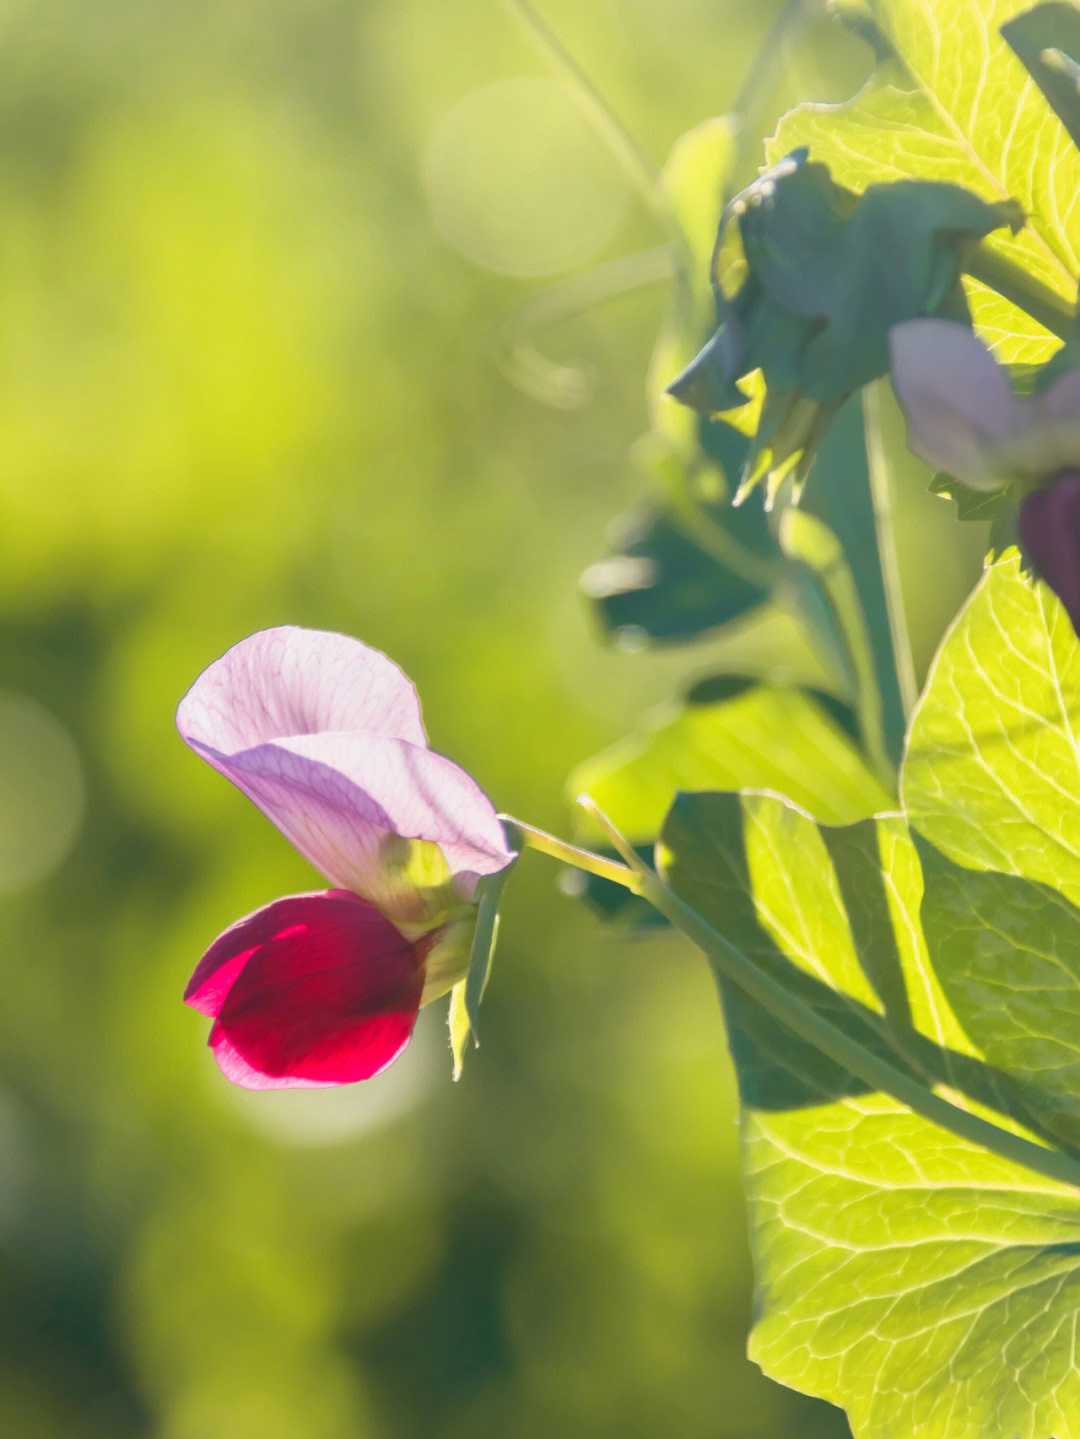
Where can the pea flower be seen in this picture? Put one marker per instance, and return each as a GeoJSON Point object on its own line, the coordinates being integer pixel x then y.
{"type": "Point", "coordinates": [964, 418]}
{"type": "Point", "coordinates": [324, 734]}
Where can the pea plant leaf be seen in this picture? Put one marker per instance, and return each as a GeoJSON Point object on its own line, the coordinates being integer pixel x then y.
{"type": "Point", "coordinates": [759, 737]}
{"type": "Point", "coordinates": [951, 101]}
{"type": "Point", "coordinates": [926, 1285]}
{"type": "Point", "coordinates": [992, 772]}
{"type": "Point", "coordinates": [677, 572]}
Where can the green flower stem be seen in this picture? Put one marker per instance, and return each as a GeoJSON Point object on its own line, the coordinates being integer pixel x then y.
{"type": "Point", "coordinates": [532, 838]}
{"type": "Point", "coordinates": [1021, 289]}
{"type": "Point", "coordinates": [796, 1016]}
{"type": "Point", "coordinates": [877, 465]}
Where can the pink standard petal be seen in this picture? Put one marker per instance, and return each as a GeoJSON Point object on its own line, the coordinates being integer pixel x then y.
{"type": "Point", "coordinates": [292, 681]}
{"type": "Point", "coordinates": [957, 399]}
{"type": "Point", "coordinates": [337, 794]}
{"type": "Point", "coordinates": [313, 990]}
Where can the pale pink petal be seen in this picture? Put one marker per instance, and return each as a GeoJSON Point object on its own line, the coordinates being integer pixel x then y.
{"type": "Point", "coordinates": [340, 798]}
{"type": "Point", "coordinates": [312, 990]}
{"type": "Point", "coordinates": [961, 412]}
{"type": "Point", "coordinates": [292, 681]}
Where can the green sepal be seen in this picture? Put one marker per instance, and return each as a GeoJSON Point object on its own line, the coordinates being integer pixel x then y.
{"type": "Point", "coordinates": [809, 277]}
{"type": "Point", "coordinates": [970, 504]}
{"type": "Point", "coordinates": [466, 995]}
{"type": "Point", "coordinates": [488, 894]}
{"type": "Point", "coordinates": [459, 1027]}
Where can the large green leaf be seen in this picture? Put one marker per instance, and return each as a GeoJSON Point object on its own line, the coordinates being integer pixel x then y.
{"type": "Point", "coordinates": [955, 104]}
{"type": "Point", "coordinates": [761, 738]}
{"type": "Point", "coordinates": [927, 1286]}
{"type": "Point", "coordinates": [749, 735]}
{"type": "Point", "coordinates": [992, 773]}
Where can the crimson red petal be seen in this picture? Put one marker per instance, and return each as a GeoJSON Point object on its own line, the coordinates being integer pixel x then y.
{"type": "Point", "coordinates": [315, 989]}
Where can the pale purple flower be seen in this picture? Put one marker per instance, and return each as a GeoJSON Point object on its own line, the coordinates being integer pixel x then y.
{"type": "Point", "coordinates": [325, 736]}
{"type": "Point", "coordinates": [964, 419]}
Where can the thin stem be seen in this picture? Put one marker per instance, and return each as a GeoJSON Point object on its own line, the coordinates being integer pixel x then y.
{"type": "Point", "coordinates": [1022, 289]}
{"type": "Point", "coordinates": [619, 841]}
{"type": "Point", "coordinates": [755, 106]}
{"type": "Point", "coordinates": [566, 385]}
{"type": "Point", "coordinates": [847, 1052]}
{"type": "Point", "coordinates": [635, 164]}
{"type": "Point", "coordinates": [698, 525]}
{"type": "Point", "coordinates": [881, 500]}
{"type": "Point", "coordinates": [571, 854]}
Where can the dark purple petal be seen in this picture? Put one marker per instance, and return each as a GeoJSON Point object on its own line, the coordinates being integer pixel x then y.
{"type": "Point", "coordinates": [1050, 531]}
{"type": "Point", "coordinates": [312, 990]}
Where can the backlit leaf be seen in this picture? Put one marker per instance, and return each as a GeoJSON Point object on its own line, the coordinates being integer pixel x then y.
{"type": "Point", "coordinates": [926, 1285]}
{"type": "Point", "coordinates": [955, 104]}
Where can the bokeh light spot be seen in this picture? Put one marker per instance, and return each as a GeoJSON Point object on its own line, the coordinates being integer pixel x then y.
{"type": "Point", "coordinates": [314, 1118]}
{"type": "Point", "coordinates": [42, 792]}
{"type": "Point", "coordinates": [518, 182]}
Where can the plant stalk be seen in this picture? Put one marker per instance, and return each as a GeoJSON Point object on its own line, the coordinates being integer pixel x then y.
{"type": "Point", "coordinates": [635, 165]}
{"type": "Point", "coordinates": [877, 465]}
{"type": "Point", "coordinates": [555, 848]}
{"type": "Point", "coordinates": [1013, 283]}
{"type": "Point", "coordinates": [793, 1014]}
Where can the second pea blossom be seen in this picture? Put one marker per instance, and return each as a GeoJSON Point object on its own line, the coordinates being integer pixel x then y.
{"type": "Point", "coordinates": [965, 419]}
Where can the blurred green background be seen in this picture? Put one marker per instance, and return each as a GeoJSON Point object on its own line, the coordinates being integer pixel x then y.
{"type": "Point", "coordinates": [258, 261]}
